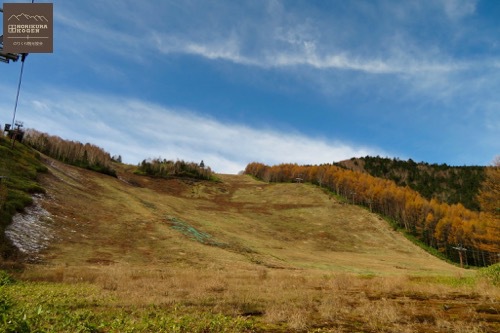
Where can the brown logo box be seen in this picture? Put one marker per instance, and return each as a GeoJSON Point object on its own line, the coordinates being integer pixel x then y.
{"type": "Point", "coordinates": [28, 27]}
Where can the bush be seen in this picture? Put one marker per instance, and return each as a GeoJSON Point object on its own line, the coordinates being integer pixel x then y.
{"type": "Point", "coordinates": [491, 274]}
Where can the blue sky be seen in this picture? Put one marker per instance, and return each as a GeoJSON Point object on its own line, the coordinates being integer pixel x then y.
{"type": "Point", "coordinates": [231, 82]}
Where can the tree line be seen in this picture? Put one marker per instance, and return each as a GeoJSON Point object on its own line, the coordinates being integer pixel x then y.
{"type": "Point", "coordinates": [86, 155]}
{"type": "Point", "coordinates": [439, 225]}
{"type": "Point", "coordinates": [163, 168]}
{"type": "Point", "coordinates": [450, 184]}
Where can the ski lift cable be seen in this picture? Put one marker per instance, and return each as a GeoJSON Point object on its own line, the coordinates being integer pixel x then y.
{"type": "Point", "coordinates": [23, 58]}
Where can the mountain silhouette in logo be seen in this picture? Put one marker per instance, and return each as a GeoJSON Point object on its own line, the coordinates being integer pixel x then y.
{"type": "Point", "coordinates": [37, 18]}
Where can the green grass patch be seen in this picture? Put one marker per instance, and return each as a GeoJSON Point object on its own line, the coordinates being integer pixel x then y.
{"type": "Point", "coordinates": [5, 279]}
{"type": "Point", "coordinates": [454, 281]}
{"type": "Point", "coordinates": [491, 274]}
{"type": "Point", "coordinates": [426, 247]}
{"type": "Point", "coordinates": [51, 307]}
{"type": "Point", "coordinates": [20, 167]}
{"type": "Point", "coordinates": [193, 233]}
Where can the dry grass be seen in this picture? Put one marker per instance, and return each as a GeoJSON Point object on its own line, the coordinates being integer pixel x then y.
{"type": "Point", "coordinates": [103, 220]}
{"type": "Point", "coordinates": [296, 300]}
{"type": "Point", "coordinates": [293, 259]}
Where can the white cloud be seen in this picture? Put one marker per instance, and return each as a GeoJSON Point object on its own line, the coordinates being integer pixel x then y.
{"type": "Point", "coordinates": [456, 9]}
{"type": "Point", "coordinates": [278, 39]}
{"type": "Point", "coordinates": [347, 52]}
{"type": "Point", "coordinates": [296, 46]}
{"type": "Point", "coordinates": [138, 130]}
{"type": "Point", "coordinates": [224, 49]}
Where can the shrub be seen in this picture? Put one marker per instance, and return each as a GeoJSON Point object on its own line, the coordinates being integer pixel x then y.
{"type": "Point", "coordinates": [491, 274]}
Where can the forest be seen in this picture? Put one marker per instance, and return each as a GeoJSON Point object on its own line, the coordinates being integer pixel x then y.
{"type": "Point", "coordinates": [450, 184]}
{"type": "Point", "coordinates": [94, 158]}
{"type": "Point", "coordinates": [86, 155]}
{"type": "Point", "coordinates": [437, 224]}
{"type": "Point", "coordinates": [163, 168]}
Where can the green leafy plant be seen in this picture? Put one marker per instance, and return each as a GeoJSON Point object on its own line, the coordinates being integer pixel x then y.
{"type": "Point", "coordinates": [5, 278]}
{"type": "Point", "coordinates": [491, 274]}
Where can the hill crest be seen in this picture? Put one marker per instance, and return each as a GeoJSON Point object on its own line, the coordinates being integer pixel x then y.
{"type": "Point", "coordinates": [99, 219]}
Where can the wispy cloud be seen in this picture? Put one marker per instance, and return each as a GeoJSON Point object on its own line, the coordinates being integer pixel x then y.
{"type": "Point", "coordinates": [457, 9]}
{"type": "Point", "coordinates": [223, 49]}
{"type": "Point", "coordinates": [278, 39]}
{"type": "Point", "coordinates": [137, 130]}
{"type": "Point", "coordinates": [419, 71]}
{"type": "Point", "coordinates": [294, 42]}
{"type": "Point", "coordinates": [306, 53]}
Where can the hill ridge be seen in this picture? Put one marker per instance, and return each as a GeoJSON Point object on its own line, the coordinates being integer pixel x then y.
{"type": "Point", "coordinates": [140, 253]}
{"type": "Point", "coordinates": [294, 226]}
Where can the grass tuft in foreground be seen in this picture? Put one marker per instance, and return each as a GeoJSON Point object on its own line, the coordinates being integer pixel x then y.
{"type": "Point", "coordinates": [82, 307]}
{"type": "Point", "coordinates": [491, 274]}
{"type": "Point", "coordinates": [242, 301]}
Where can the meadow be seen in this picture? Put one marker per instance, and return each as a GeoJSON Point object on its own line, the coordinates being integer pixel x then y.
{"type": "Point", "coordinates": [141, 254]}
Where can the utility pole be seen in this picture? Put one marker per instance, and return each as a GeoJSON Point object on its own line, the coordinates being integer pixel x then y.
{"type": "Point", "coordinates": [6, 57]}
{"type": "Point", "coordinates": [461, 250]}
{"type": "Point", "coordinates": [16, 132]}
{"type": "Point", "coordinates": [23, 57]}
{"type": "Point", "coordinates": [299, 178]}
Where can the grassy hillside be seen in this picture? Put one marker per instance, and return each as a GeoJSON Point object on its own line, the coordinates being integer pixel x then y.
{"type": "Point", "coordinates": [135, 219]}
{"type": "Point", "coordinates": [449, 184]}
{"type": "Point", "coordinates": [438, 225]}
{"type": "Point", "coordinates": [142, 254]}
{"type": "Point", "coordinates": [19, 167]}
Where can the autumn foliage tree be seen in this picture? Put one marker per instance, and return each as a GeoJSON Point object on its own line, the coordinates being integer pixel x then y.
{"type": "Point", "coordinates": [450, 184]}
{"type": "Point", "coordinates": [489, 195]}
{"type": "Point", "coordinates": [166, 169]}
{"type": "Point", "coordinates": [76, 153]}
{"type": "Point", "coordinates": [437, 224]}
{"type": "Point", "coordinates": [489, 199]}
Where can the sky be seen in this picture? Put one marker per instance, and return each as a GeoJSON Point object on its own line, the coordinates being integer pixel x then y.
{"type": "Point", "coordinates": [233, 82]}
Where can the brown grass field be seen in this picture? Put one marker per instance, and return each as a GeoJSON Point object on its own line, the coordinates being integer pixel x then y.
{"type": "Point", "coordinates": [282, 257]}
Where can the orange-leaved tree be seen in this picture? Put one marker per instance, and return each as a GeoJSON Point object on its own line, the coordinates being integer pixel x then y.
{"type": "Point", "coordinates": [489, 200]}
